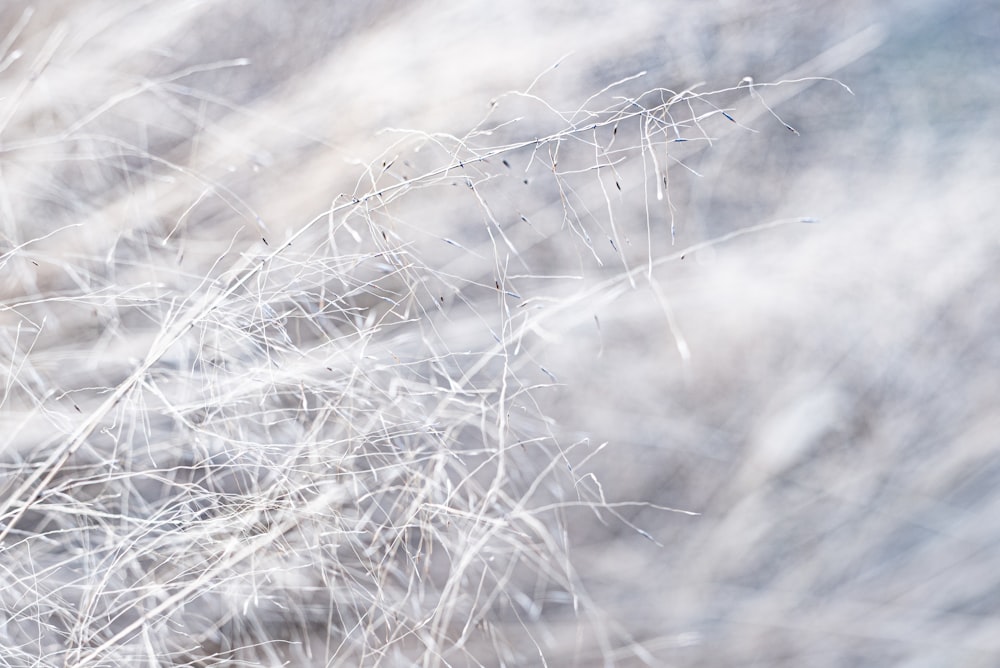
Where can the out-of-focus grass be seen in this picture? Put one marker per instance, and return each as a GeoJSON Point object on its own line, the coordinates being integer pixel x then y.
{"type": "Point", "coordinates": [448, 423]}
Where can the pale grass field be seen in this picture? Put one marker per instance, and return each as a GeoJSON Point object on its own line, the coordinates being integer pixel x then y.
{"type": "Point", "coordinates": [485, 334]}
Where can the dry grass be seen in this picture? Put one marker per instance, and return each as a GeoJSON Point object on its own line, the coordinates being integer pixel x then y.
{"type": "Point", "coordinates": [323, 349]}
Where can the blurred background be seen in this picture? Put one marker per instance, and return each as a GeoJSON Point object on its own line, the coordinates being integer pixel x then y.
{"type": "Point", "coordinates": [823, 397]}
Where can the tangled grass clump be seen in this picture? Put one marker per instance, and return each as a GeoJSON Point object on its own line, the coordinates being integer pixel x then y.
{"type": "Point", "coordinates": [321, 441]}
